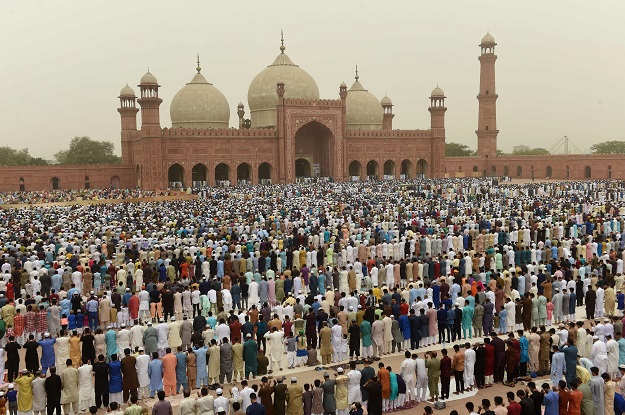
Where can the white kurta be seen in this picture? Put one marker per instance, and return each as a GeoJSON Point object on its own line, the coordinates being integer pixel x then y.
{"type": "Point", "coordinates": [612, 350]}
{"type": "Point", "coordinates": [469, 367]}
{"type": "Point", "coordinates": [143, 362]}
{"type": "Point", "coordinates": [84, 380]}
{"type": "Point", "coordinates": [275, 345]}
{"type": "Point", "coordinates": [353, 387]}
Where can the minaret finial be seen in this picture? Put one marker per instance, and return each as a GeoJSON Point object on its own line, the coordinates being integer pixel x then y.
{"type": "Point", "coordinates": [356, 77]}
{"type": "Point", "coordinates": [282, 48]}
{"type": "Point", "coordinates": [198, 68]}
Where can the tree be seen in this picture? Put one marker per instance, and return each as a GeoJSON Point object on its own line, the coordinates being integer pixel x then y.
{"type": "Point", "coordinates": [608, 147]}
{"type": "Point", "coordinates": [84, 150]}
{"type": "Point", "coordinates": [12, 157]}
{"type": "Point", "coordinates": [532, 152]}
{"type": "Point", "coordinates": [458, 150]}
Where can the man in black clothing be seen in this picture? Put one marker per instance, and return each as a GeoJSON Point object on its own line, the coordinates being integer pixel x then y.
{"type": "Point", "coordinates": [527, 404]}
{"type": "Point", "coordinates": [536, 396]}
{"type": "Point", "coordinates": [101, 371]}
{"type": "Point", "coordinates": [13, 358]}
{"type": "Point", "coordinates": [88, 346]}
{"type": "Point", "coordinates": [374, 390]}
{"type": "Point", "coordinates": [32, 357]}
{"type": "Point", "coordinates": [53, 386]}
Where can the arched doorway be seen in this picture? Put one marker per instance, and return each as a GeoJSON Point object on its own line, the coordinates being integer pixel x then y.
{"type": "Point", "coordinates": [406, 168]}
{"type": "Point", "coordinates": [55, 183]}
{"type": "Point", "coordinates": [548, 172]}
{"type": "Point", "coordinates": [355, 171]}
{"type": "Point", "coordinates": [609, 172]}
{"type": "Point", "coordinates": [389, 170]}
{"type": "Point", "coordinates": [506, 171]}
{"type": "Point", "coordinates": [372, 170]}
{"type": "Point", "coordinates": [244, 173]}
{"type": "Point", "coordinates": [493, 171]}
{"type": "Point", "coordinates": [587, 172]}
{"type": "Point", "coordinates": [302, 168]}
{"type": "Point", "coordinates": [519, 171]}
{"type": "Point", "coordinates": [116, 182]}
{"type": "Point", "coordinates": [222, 174]}
{"type": "Point", "coordinates": [313, 142]}
{"type": "Point", "coordinates": [175, 176]}
{"type": "Point", "coordinates": [199, 175]}
{"type": "Point", "coordinates": [422, 169]}
{"type": "Point", "coordinates": [264, 173]}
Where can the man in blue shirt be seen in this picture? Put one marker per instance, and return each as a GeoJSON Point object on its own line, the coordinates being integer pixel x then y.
{"type": "Point", "coordinates": [550, 401]}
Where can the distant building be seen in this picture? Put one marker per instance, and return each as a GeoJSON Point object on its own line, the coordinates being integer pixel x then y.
{"type": "Point", "coordinates": [291, 134]}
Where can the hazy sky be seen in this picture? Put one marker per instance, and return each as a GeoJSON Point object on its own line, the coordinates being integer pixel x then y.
{"type": "Point", "coordinates": [561, 66]}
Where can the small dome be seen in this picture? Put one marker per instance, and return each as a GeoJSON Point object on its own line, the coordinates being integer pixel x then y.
{"type": "Point", "coordinates": [262, 97]}
{"type": "Point", "coordinates": [127, 92]}
{"type": "Point", "coordinates": [386, 101]}
{"type": "Point", "coordinates": [199, 105]}
{"type": "Point", "coordinates": [148, 78]}
{"type": "Point", "coordinates": [437, 92]}
{"type": "Point", "coordinates": [240, 105]}
{"type": "Point", "coordinates": [488, 40]}
{"type": "Point", "coordinates": [363, 109]}
{"type": "Point", "coordinates": [343, 85]}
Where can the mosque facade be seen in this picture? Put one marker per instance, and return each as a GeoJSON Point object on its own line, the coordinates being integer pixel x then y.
{"type": "Point", "coordinates": [292, 134]}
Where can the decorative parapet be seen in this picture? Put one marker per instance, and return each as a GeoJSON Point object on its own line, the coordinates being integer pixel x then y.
{"type": "Point", "coordinates": [388, 133]}
{"type": "Point", "coordinates": [313, 102]}
{"type": "Point", "coordinates": [219, 132]}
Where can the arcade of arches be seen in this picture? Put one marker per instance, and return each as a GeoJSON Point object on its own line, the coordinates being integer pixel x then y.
{"type": "Point", "coordinates": [389, 172]}
{"type": "Point", "coordinates": [222, 173]}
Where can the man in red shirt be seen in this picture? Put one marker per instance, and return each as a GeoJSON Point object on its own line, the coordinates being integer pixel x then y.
{"type": "Point", "coordinates": [445, 374]}
{"type": "Point", "coordinates": [514, 408]}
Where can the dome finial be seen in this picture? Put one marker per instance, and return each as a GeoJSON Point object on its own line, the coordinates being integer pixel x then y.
{"type": "Point", "coordinates": [356, 77]}
{"type": "Point", "coordinates": [282, 48]}
{"type": "Point", "coordinates": [198, 68]}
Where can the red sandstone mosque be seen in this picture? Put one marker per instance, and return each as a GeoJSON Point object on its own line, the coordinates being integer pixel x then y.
{"type": "Point", "coordinates": [292, 134]}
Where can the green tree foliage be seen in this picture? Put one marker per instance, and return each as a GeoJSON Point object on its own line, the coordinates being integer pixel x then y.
{"type": "Point", "coordinates": [608, 147]}
{"type": "Point", "coordinates": [84, 150]}
{"type": "Point", "coordinates": [12, 157]}
{"type": "Point", "coordinates": [532, 152]}
{"type": "Point", "coordinates": [458, 150]}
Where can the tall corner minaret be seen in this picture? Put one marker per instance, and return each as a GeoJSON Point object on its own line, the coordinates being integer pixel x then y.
{"type": "Point", "coordinates": [437, 111]}
{"type": "Point", "coordinates": [128, 111]}
{"type": "Point", "coordinates": [487, 119]}
{"type": "Point", "coordinates": [150, 102]}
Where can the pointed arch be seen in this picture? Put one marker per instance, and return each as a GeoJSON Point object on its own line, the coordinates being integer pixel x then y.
{"type": "Point", "coordinates": [244, 173]}
{"type": "Point", "coordinates": [199, 175]}
{"type": "Point", "coordinates": [389, 170]}
{"type": "Point", "coordinates": [373, 170]}
{"type": "Point", "coordinates": [406, 169]}
{"type": "Point", "coordinates": [222, 173]}
{"type": "Point", "coordinates": [175, 176]}
{"type": "Point", "coordinates": [355, 170]}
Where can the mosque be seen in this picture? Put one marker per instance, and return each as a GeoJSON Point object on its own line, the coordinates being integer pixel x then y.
{"type": "Point", "coordinates": [292, 134]}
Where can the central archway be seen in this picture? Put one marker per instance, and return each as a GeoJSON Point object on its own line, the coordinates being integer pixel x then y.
{"type": "Point", "coordinates": [389, 170]}
{"type": "Point", "coordinates": [422, 169]}
{"type": "Point", "coordinates": [313, 141]}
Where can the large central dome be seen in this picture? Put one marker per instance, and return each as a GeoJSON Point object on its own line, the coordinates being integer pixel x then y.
{"type": "Point", "coordinates": [262, 97]}
{"type": "Point", "coordinates": [199, 105]}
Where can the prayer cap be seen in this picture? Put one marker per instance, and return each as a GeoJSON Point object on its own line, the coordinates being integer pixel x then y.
{"type": "Point", "coordinates": [219, 391]}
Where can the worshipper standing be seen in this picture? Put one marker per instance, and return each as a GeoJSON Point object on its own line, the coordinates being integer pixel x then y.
{"type": "Point", "coordinates": [169, 372]}
{"type": "Point", "coordinates": [143, 377]}
{"type": "Point", "coordinates": [294, 403]}
{"type": "Point", "coordinates": [329, 401]}
{"type": "Point", "coordinates": [86, 385]}
{"type": "Point", "coordinates": [53, 386]}
{"type": "Point", "coordinates": [101, 374]}
{"type": "Point", "coordinates": [374, 391]}
{"type": "Point", "coordinates": [115, 380]}
{"type": "Point", "coordinates": [71, 387]}
{"type": "Point", "coordinates": [39, 394]}
{"type": "Point", "coordinates": [596, 387]}
{"type": "Point", "coordinates": [155, 372]}
{"type": "Point", "coordinates": [162, 407]}
{"type": "Point", "coordinates": [250, 352]}
{"type": "Point", "coordinates": [340, 393]}
{"type": "Point", "coordinates": [24, 392]}
{"type": "Point", "coordinates": [130, 381]}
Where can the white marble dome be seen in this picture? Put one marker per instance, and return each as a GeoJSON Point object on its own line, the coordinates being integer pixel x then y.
{"type": "Point", "coordinates": [199, 105]}
{"type": "Point", "coordinates": [262, 97]}
{"type": "Point", "coordinates": [364, 110]}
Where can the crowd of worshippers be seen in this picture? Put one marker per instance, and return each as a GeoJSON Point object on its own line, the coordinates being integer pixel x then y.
{"type": "Point", "coordinates": [230, 283]}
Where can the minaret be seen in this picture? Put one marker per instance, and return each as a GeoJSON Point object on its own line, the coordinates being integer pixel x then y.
{"type": "Point", "coordinates": [487, 118]}
{"type": "Point", "coordinates": [149, 101]}
{"type": "Point", "coordinates": [387, 110]}
{"type": "Point", "coordinates": [128, 111]}
{"type": "Point", "coordinates": [241, 114]}
{"type": "Point", "coordinates": [437, 125]}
